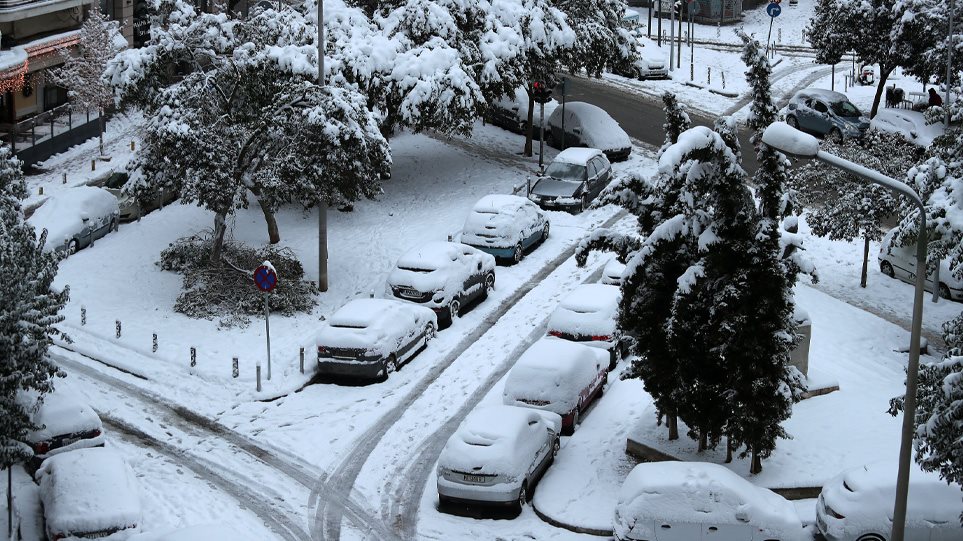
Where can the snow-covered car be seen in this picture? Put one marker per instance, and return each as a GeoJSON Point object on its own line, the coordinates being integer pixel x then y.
{"type": "Point", "coordinates": [825, 113]}
{"type": "Point", "coordinates": [75, 218]}
{"type": "Point", "coordinates": [697, 500]}
{"type": "Point", "coordinates": [505, 226]}
{"type": "Point", "coordinates": [587, 315]}
{"type": "Point", "coordinates": [559, 376]}
{"type": "Point", "coordinates": [574, 178]}
{"type": "Point", "coordinates": [372, 338]}
{"type": "Point", "coordinates": [201, 532]}
{"type": "Point", "coordinates": [65, 424]}
{"type": "Point", "coordinates": [900, 262]}
{"type": "Point", "coordinates": [909, 124]}
{"type": "Point", "coordinates": [654, 63]}
{"type": "Point", "coordinates": [511, 113]}
{"type": "Point", "coordinates": [612, 272]}
{"type": "Point", "coordinates": [87, 494]}
{"type": "Point", "coordinates": [857, 505]}
{"type": "Point", "coordinates": [589, 126]}
{"type": "Point", "coordinates": [444, 276]}
{"type": "Point", "coordinates": [130, 209]}
{"type": "Point", "coordinates": [497, 456]}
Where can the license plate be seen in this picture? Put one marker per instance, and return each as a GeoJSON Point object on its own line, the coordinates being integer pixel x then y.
{"type": "Point", "coordinates": [474, 478]}
{"type": "Point", "coordinates": [410, 293]}
{"type": "Point", "coordinates": [550, 203]}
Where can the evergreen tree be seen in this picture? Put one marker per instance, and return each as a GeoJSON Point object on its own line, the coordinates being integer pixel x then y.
{"type": "Point", "coordinates": [29, 309]}
{"type": "Point", "coordinates": [676, 119]}
{"type": "Point", "coordinates": [601, 37]}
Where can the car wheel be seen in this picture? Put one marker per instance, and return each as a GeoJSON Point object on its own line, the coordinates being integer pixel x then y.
{"type": "Point", "coordinates": [871, 537]}
{"type": "Point", "coordinates": [887, 269]}
{"type": "Point", "coordinates": [391, 365]}
{"type": "Point", "coordinates": [72, 247]}
{"type": "Point", "coordinates": [518, 253]}
{"type": "Point", "coordinates": [791, 120]}
{"type": "Point", "coordinates": [454, 309]}
{"type": "Point", "coordinates": [430, 332]}
{"type": "Point", "coordinates": [114, 226]}
{"type": "Point", "coordinates": [545, 232]}
{"type": "Point", "coordinates": [835, 136]}
{"type": "Point", "coordinates": [522, 496]}
{"type": "Point", "coordinates": [489, 284]}
{"type": "Point", "coordinates": [945, 291]}
{"type": "Point", "coordinates": [614, 357]}
{"type": "Point", "coordinates": [556, 445]}
{"type": "Point", "coordinates": [576, 417]}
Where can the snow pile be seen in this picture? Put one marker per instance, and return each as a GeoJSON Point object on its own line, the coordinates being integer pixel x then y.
{"type": "Point", "coordinates": [599, 130]}
{"type": "Point", "coordinates": [589, 310]}
{"type": "Point", "coordinates": [377, 326]}
{"type": "Point", "coordinates": [62, 215]}
{"type": "Point", "coordinates": [489, 440]}
{"type": "Point", "coordinates": [552, 373]}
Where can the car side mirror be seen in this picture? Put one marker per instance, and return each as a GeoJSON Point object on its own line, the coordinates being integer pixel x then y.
{"type": "Point", "coordinates": [742, 516]}
{"type": "Point", "coordinates": [479, 265]}
{"type": "Point", "coordinates": [84, 216]}
{"type": "Point", "coordinates": [577, 131]}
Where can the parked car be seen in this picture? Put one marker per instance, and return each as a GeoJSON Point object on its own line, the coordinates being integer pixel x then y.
{"type": "Point", "coordinates": [574, 178]}
{"type": "Point", "coordinates": [511, 113]}
{"type": "Point", "coordinates": [505, 226]}
{"type": "Point", "coordinates": [444, 276]}
{"type": "Point", "coordinates": [653, 59]}
{"type": "Point", "coordinates": [910, 124]}
{"type": "Point", "coordinates": [559, 376]}
{"type": "Point", "coordinates": [825, 113]}
{"type": "Point", "coordinates": [130, 209]}
{"type": "Point", "coordinates": [588, 315]}
{"type": "Point", "coordinates": [65, 424]}
{"type": "Point", "coordinates": [75, 218]}
{"type": "Point", "coordinates": [900, 262]}
{"type": "Point", "coordinates": [89, 493]}
{"type": "Point", "coordinates": [612, 272]}
{"type": "Point", "coordinates": [372, 338]}
{"type": "Point", "coordinates": [203, 532]}
{"type": "Point", "coordinates": [589, 126]}
{"type": "Point", "coordinates": [497, 456]}
{"type": "Point", "coordinates": [683, 501]}
{"type": "Point", "coordinates": [857, 505]}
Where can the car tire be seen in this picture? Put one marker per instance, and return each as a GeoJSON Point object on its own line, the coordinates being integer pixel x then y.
{"type": "Point", "coordinates": [576, 417]}
{"type": "Point", "coordinates": [614, 357]}
{"type": "Point", "coordinates": [872, 537]}
{"type": "Point", "coordinates": [430, 332]}
{"type": "Point", "coordinates": [72, 247]}
{"type": "Point", "coordinates": [391, 365]}
{"type": "Point", "coordinates": [886, 268]}
{"type": "Point", "coordinates": [945, 291]}
{"type": "Point", "coordinates": [793, 123]}
{"type": "Point", "coordinates": [584, 203]}
{"type": "Point", "coordinates": [454, 309]}
{"type": "Point", "coordinates": [556, 445]}
{"type": "Point", "coordinates": [517, 254]}
{"type": "Point", "coordinates": [489, 284]}
{"type": "Point", "coordinates": [114, 226]}
{"type": "Point", "coordinates": [835, 136]}
{"type": "Point", "coordinates": [545, 233]}
{"type": "Point", "coordinates": [523, 497]}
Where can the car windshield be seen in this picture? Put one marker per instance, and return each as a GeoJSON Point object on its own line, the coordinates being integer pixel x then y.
{"type": "Point", "coordinates": [566, 171]}
{"type": "Point", "coordinates": [117, 181]}
{"type": "Point", "coordinates": [551, 186]}
{"type": "Point", "coordinates": [846, 109]}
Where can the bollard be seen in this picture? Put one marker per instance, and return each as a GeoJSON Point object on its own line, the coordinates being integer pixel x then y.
{"type": "Point", "coordinates": [154, 345]}
{"type": "Point", "coordinates": [93, 165]}
{"type": "Point", "coordinates": [132, 146]}
{"type": "Point", "coordinates": [83, 315]}
{"type": "Point", "coordinates": [302, 360]}
{"type": "Point", "coordinates": [235, 371]}
{"type": "Point", "coordinates": [117, 323]}
{"type": "Point", "coordinates": [723, 80]}
{"type": "Point", "coordinates": [449, 237]}
{"type": "Point", "coordinates": [709, 75]}
{"type": "Point", "coordinates": [65, 178]}
{"type": "Point", "coordinates": [718, 30]}
{"type": "Point", "coordinates": [779, 35]}
{"type": "Point", "coordinates": [528, 186]}
{"type": "Point", "coordinates": [258, 370]}
{"type": "Point", "coordinates": [193, 356]}
{"type": "Point", "coordinates": [41, 191]}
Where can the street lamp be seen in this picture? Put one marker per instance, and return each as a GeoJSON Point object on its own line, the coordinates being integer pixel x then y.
{"type": "Point", "coordinates": [782, 136]}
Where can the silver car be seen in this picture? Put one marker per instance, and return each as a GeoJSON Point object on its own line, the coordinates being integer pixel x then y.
{"type": "Point", "coordinates": [827, 114]}
{"type": "Point", "coordinates": [900, 262]}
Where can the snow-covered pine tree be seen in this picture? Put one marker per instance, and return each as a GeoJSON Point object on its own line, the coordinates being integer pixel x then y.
{"type": "Point", "coordinates": [601, 37]}
{"type": "Point", "coordinates": [676, 119]}
{"type": "Point", "coordinates": [29, 309]}
{"type": "Point", "coordinates": [82, 75]}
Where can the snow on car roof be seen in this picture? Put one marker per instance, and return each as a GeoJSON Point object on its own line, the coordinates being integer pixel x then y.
{"type": "Point", "coordinates": [88, 490]}
{"type": "Point", "coordinates": [62, 213]}
{"type": "Point", "coordinates": [592, 298]}
{"type": "Point", "coordinates": [362, 312]}
{"type": "Point", "coordinates": [497, 202]}
{"type": "Point", "coordinates": [828, 95]}
{"type": "Point", "coordinates": [930, 495]}
{"type": "Point", "coordinates": [431, 256]}
{"type": "Point", "coordinates": [61, 412]}
{"type": "Point", "coordinates": [589, 310]}
{"type": "Point", "coordinates": [487, 441]}
{"type": "Point", "coordinates": [577, 155]}
{"type": "Point", "coordinates": [555, 371]}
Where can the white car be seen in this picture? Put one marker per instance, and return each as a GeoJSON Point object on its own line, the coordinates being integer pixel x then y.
{"type": "Point", "coordinates": [203, 532]}
{"type": "Point", "coordinates": [908, 123]}
{"type": "Point", "coordinates": [75, 218]}
{"type": "Point", "coordinates": [65, 424]}
{"type": "Point", "coordinates": [857, 505]}
{"type": "Point", "coordinates": [558, 376]}
{"type": "Point", "coordinates": [444, 276]}
{"type": "Point", "coordinates": [505, 226]}
{"type": "Point", "coordinates": [89, 493]}
{"type": "Point", "coordinates": [653, 59]}
{"type": "Point", "coordinates": [511, 113]}
{"type": "Point", "coordinates": [372, 338]}
{"type": "Point", "coordinates": [612, 272]}
{"type": "Point", "coordinates": [588, 316]}
{"type": "Point", "coordinates": [683, 501]}
{"type": "Point", "coordinates": [900, 262]}
{"type": "Point", "coordinates": [589, 126]}
{"type": "Point", "coordinates": [497, 456]}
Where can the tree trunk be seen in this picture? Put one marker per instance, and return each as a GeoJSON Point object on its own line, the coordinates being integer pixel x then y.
{"type": "Point", "coordinates": [703, 440]}
{"type": "Point", "coordinates": [862, 279]}
{"type": "Point", "coordinates": [272, 224]}
{"type": "Point", "coordinates": [100, 120]}
{"type": "Point", "coordinates": [220, 227]}
{"type": "Point", "coordinates": [673, 423]}
{"type": "Point", "coordinates": [883, 76]}
{"type": "Point", "coordinates": [527, 152]}
{"type": "Point", "coordinates": [756, 466]}
{"type": "Point", "coordinates": [728, 449]}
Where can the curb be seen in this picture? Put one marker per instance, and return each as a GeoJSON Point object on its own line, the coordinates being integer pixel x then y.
{"type": "Point", "coordinates": [570, 527]}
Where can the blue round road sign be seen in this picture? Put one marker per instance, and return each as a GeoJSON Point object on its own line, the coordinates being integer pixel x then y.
{"type": "Point", "coordinates": [773, 9]}
{"type": "Point", "coordinates": [265, 278]}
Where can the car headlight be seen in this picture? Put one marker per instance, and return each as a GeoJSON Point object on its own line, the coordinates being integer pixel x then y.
{"type": "Point", "coordinates": [438, 297]}
{"type": "Point", "coordinates": [534, 197]}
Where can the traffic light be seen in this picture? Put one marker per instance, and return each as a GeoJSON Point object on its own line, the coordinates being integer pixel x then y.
{"type": "Point", "coordinates": [541, 92]}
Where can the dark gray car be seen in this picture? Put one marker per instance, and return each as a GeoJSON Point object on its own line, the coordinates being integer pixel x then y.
{"type": "Point", "coordinates": [827, 114]}
{"type": "Point", "coordinates": [572, 180]}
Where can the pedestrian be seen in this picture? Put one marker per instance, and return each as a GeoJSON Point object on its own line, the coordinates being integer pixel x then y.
{"type": "Point", "coordinates": [935, 99]}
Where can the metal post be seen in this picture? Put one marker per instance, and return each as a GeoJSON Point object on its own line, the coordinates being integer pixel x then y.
{"type": "Point", "coordinates": [154, 345]}
{"type": "Point", "coordinates": [769, 37]}
{"type": "Point", "coordinates": [9, 502]}
{"type": "Point", "coordinates": [65, 178]}
{"type": "Point", "coordinates": [648, 29]}
{"type": "Point", "coordinates": [660, 22]}
{"type": "Point", "coordinates": [691, 46]}
{"type": "Point", "coordinates": [564, 89]}
{"type": "Point", "coordinates": [678, 50]}
{"type": "Point", "coordinates": [949, 64]}
{"type": "Point", "coordinates": [832, 81]}
{"type": "Point", "coordinates": [194, 357]}
{"type": "Point", "coordinates": [267, 330]}
{"type": "Point", "coordinates": [258, 372]}
{"type": "Point", "coordinates": [322, 207]}
{"type": "Point", "coordinates": [708, 75]}
{"type": "Point", "coordinates": [671, 34]}
{"type": "Point", "coordinates": [302, 359]}
{"type": "Point", "coordinates": [541, 137]}
{"type": "Point", "coordinates": [235, 369]}
{"type": "Point", "coordinates": [83, 315]}
{"type": "Point", "coordinates": [117, 325]}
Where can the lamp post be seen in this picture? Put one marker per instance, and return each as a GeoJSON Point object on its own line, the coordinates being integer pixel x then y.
{"type": "Point", "coordinates": [322, 207]}
{"type": "Point", "coordinates": [783, 137]}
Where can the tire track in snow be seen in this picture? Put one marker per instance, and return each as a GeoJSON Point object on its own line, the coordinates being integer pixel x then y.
{"type": "Point", "coordinates": [339, 484]}
{"type": "Point", "coordinates": [775, 77]}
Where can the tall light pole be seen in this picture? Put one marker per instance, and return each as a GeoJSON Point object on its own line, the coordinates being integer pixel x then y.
{"type": "Point", "coordinates": [781, 136]}
{"type": "Point", "coordinates": [949, 65]}
{"type": "Point", "coordinates": [322, 206]}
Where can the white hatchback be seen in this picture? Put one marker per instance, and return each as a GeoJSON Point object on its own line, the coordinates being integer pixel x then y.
{"type": "Point", "coordinates": [588, 315]}
{"type": "Point", "coordinates": [64, 422]}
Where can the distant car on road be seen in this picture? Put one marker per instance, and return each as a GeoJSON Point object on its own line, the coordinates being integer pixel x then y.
{"type": "Point", "coordinates": [588, 315]}
{"type": "Point", "coordinates": [505, 226]}
{"type": "Point", "coordinates": [88, 494]}
{"type": "Point", "coordinates": [589, 126]}
{"type": "Point", "coordinates": [653, 58]}
{"type": "Point", "coordinates": [511, 113]}
{"type": "Point", "coordinates": [559, 376]}
{"type": "Point", "coordinates": [900, 262]}
{"type": "Point", "coordinates": [612, 272]}
{"type": "Point", "coordinates": [130, 209]}
{"type": "Point", "coordinates": [574, 178]}
{"type": "Point", "coordinates": [373, 338]}
{"type": "Point", "coordinates": [682, 501]}
{"type": "Point", "coordinates": [75, 218]}
{"type": "Point", "coordinates": [444, 276]}
{"type": "Point", "coordinates": [65, 424]}
{"type": "Point", "coordinates": [497, 456]}
{"type": "Point", "coordinates": [825, 113]}
{"type": "Point", "coordinates": [857, 505]}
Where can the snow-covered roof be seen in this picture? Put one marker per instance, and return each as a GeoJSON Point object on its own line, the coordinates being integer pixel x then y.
{"type": "Point", "coordinates": [489, 439]}
{"type": "Point", "coordinates": [577, 155]}
{"type": "Point", "coordinates": [61, 412]}
{"type": "Point", "coordinates": [62, 213]}
{"type": "Point", "coordinates": [828, 95]}
{"type": "Point", "coordinates": [88, 490]}
{"type": "Point", "coordinates": [495, 203]}
{"type": "Point", "coordinates": [362, 312]}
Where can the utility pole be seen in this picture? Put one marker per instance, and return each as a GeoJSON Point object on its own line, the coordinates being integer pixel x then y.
{"type": "Point", "coordinates": [949, 65]}
{"type": "Point", "coordinates": [648, 28]}
{"type": "Point", "coordinates": [659, 15]}
{"type": "Point", "coordinates": [678, 55]}
{"type": "Point", "coordinates": [671, 34]}
{"type": "Point", "coordinates": [322, 205]}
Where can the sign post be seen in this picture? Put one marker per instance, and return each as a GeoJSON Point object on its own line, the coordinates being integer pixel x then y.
{"type": "Point", "coordinates": [773, 10]}
{"type": "Point", "coordinates": [266, 279]}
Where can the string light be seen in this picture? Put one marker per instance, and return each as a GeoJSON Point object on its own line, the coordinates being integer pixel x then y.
{"type": "Point", "coordinates": [14, 78]}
